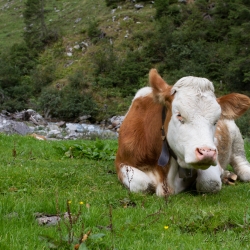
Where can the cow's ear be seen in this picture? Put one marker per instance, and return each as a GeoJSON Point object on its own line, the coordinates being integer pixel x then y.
{"type": "Point", "coordinates": [233, 105]}
{"type": "Point", "coordinates": [161, 90]}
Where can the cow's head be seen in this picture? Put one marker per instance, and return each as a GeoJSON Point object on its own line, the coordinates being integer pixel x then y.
{"type": "Point", "coordinates": [192, 114]}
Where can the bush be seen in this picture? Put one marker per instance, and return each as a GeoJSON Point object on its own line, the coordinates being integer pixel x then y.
{"type": "Point", "coordinates": [112, 3]}
{"type": "Point", "coordinates": [42, 76]}
{"type": "Point", "coordinates": [16, 64]}
{"type": "Point", "coordinates": [93, 31]}
{"type": "Point", "coordinates": [66, 104]}
{"type": "Point", "coordinates": [74, 104]}
{"type": "Point", "coordinates": [104, 60]}
{"type": "Point", "coordinates": [49, 101]}
{"type": "Point", "coordinates": [77, 80]}
{"type": "Point", "coordinates": [126, 73]}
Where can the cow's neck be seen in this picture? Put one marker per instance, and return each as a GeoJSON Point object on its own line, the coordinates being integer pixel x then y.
{"type": "Point", "coordinates": [166, 151]}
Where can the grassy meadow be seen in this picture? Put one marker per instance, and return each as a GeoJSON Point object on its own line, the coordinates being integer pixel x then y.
{"type": "Point", "coordinates": [53, 177]}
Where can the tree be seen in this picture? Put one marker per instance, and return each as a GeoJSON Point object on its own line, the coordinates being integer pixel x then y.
{"type": "Point", "coordinates": [15, 87]}
{"type": "Point", "coordinates": [37, 34]}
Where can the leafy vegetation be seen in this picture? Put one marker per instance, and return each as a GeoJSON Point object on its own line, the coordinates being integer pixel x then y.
{"type": "Point", "coordinates": [39, 179]}
{"type": "Point", "coordinates": [115, 48]}
{"type": "Point", "coordinates": [37, 34]}
{"type": "Point", "coordinates": [99, 150]}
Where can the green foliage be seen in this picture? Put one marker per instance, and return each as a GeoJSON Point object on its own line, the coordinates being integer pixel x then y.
{"type": "Point", "coordinates": [37, 34]}
{"type": "Point", "coordinates": [66, 104]}
{"type": "Point", "coordinates": [105, 61]}
{"type": "Point", "coordinates": [203, 39]}
{"type": "Point", "coordinates": [161, 8]}
{"type": "Point", "coordinates": [49, 101]}
{"type": "Point", "coordinates": [15, 88]}
{"type": "Point", "coordinates": [35, 26]}
{"type": "Point", "coordinates": [97, 150]}
{"type": "Point", "coordinates": [42, 76]}
{"type": "Point", "coordinates": [77, 80]}
{"type": "Point", "coordinates": [112, 3]}
{"type": "Point", "coordinates": [75, 103]}
{"type": "Point", "coordinates": [93, 31]}
{"type": "Point", "coordinates": [126, 74]}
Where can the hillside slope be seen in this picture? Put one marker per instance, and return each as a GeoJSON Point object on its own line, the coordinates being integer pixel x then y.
{"type": "Point", "coordinates": [103, 55]}
{"type": "Point", "coordinates": [76, 51]}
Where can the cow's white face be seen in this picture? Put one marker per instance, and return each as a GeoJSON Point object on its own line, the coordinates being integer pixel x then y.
{"type": "Point", "coordinates": [191, 129]}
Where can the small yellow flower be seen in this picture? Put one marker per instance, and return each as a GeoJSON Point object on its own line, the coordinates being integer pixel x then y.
{"type": "Point", "coordinates": [166, 227]}
{"type": "Point", "coordinates": [69, 202]}
{"type": "Point", "coordinates": [81, 202]}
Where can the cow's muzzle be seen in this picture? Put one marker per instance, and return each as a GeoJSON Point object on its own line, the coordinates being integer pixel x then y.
{"type": "Point", "coordinates": [206, 156]}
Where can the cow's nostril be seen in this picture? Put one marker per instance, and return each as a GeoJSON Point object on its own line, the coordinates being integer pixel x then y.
{"type": "Point", "coordinates": [205, 153]}
{"type": "Point", "coordinates": [199, 151]}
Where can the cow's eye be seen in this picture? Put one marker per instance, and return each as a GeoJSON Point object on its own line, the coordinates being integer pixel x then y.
{"type": "Point", "coordinates": [180, 118]}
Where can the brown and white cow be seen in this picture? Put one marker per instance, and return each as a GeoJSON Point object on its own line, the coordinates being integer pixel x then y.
{"type": "Point", "coordinates": [201, 137]}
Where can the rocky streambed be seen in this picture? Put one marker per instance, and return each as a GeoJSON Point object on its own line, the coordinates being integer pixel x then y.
{"type": "Point", "coordinates": [29, 122]}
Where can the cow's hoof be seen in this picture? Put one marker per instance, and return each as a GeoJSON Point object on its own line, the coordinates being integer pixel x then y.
{"type": "Point", "coordinates": [160, 190]}
{"type": "Point", "coordinates": [210, 186]}
{"type": "Point", "coordinates": [163, 190]}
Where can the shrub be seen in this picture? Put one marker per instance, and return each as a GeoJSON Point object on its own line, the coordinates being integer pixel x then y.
{"type": "Point", "coordinates": [49, 101]}
{"type": "Point", "coordinates": [42, 76]}
{"type": "Point", "coordinates": [74, 103]}
{"type": "Point", "coordinates": [66, 104]}
{"type": "Point", "coordinates": [112, 3]}
{"type": "Point", "coordinates": [104, 60]}
{"type": "Point", "coordinates": [93, 31]}
{"type": "Point", "coordinates": [16, 64]}
{"type": "Point", "coordinates": [77, 80]}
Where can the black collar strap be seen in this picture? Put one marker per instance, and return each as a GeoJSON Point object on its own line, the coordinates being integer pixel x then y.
{"type": "Point", "coordinates": [164, 157]}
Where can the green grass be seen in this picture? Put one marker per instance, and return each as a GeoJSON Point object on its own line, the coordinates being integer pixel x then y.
{"type": "Point", "coordinates": [36, 177]}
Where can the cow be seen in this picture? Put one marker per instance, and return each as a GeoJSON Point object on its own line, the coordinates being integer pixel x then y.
{"type": "Point", "coordinates": [176, 136]}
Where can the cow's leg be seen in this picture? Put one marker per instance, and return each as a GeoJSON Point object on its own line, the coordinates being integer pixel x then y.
{"type": "Point", "coordinates": [138, 181]}
{"type": "Point", "coordinates": [238, 157]}
{"type": "Point", "coordinates": [209, 180]}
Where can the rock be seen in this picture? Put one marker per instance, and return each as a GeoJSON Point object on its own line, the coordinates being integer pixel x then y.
{"type": "Point", "coordinates": [84, 44]}
{"type": "Point", "coordinates": [20, 128]}
{"type": "Point", "coordinates": [61, 124]}
{"type": "Point", "coordinates": [37, 127]}
{"type": "Point", "coordinates": [77, 47]}
{"type": "Point", "coordinates": [84, 118]}
{"type": "Point", "coordinates": [14, 127]}
{"type": "Point", "coordinates": [49, 220]}
{"type": "Point", "coordinates": [53, 134]}
{"type": "Point", "coordinates": [78, 20]}
{"type": "Point", "coordinates": [69, 63]}
{"type": "Point", "coordinates": [138, 6]}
